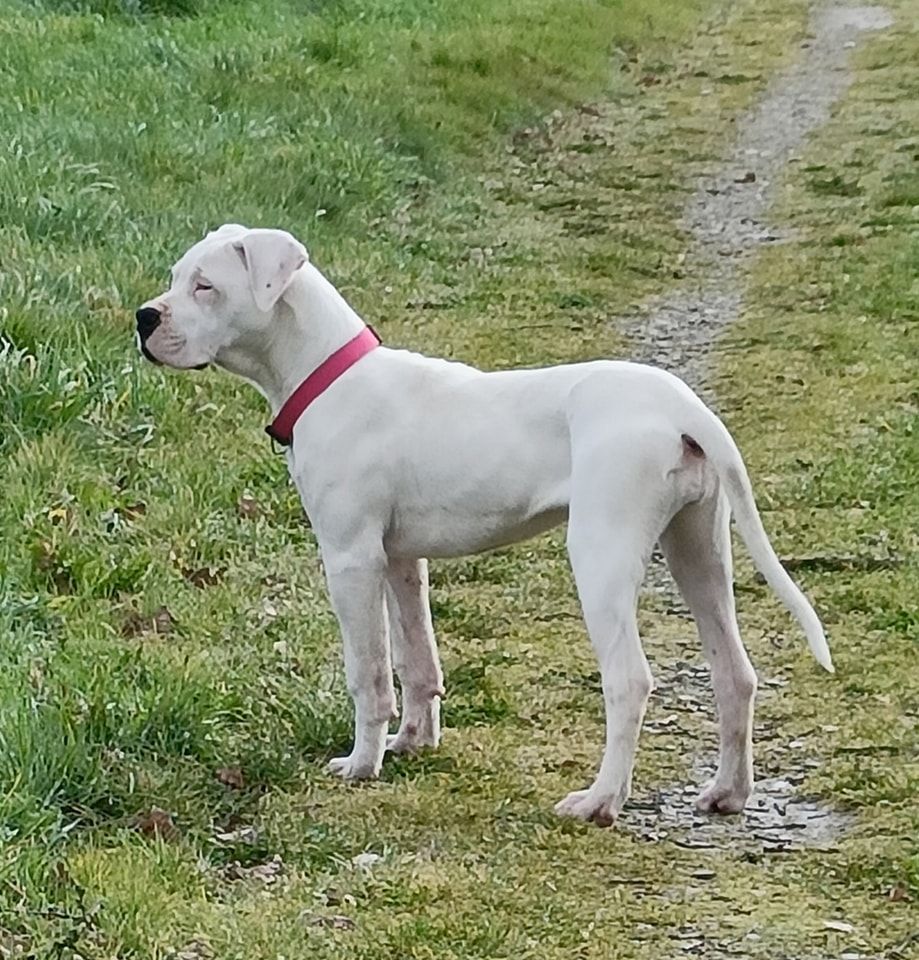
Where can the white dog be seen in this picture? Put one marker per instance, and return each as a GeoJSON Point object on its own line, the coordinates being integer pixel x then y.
{"type": "Point", "coordinates": [399, 457]}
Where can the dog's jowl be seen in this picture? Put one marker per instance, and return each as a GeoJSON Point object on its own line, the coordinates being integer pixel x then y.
{"type": "Point", "coordinates": [400, 457]}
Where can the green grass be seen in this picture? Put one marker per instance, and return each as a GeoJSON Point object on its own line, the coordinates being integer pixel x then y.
{"type": "Point", "coordinates": [829, 423]}
{"type": "Point", "coordinates": [161, 604]}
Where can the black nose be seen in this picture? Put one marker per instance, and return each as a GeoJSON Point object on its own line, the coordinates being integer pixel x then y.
{"type": "Point", "coordinates": [148, 319]}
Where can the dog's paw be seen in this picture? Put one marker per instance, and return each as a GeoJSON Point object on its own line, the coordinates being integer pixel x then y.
{"type": "Point", "coordinates": [413, 738]}
{"type": "Point", "coordinates": [408, 742]}
{"type": "Point", "coordinates": [590, 806]}
{"type": "Point", "coordinates": [721, 798]}
{"type": "Point", "coordinates": [420, 728]}
{"type": "Point", "coordinates": [353, 768]}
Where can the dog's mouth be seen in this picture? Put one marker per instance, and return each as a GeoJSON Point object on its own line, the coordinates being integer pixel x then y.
{"type": "Point", "coordinates": [159, 363]}
{"type": "Point", "coordinates": [149, 355]}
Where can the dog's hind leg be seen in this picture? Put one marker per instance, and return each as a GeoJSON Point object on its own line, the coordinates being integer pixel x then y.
{"type": "Point", "coordinates": [697, 545]}
{"type": "Point", "coordinates": [414, 656]}
{"type": "Point", "coordinates": [615, 516]}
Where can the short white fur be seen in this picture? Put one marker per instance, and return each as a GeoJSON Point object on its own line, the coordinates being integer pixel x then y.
{"type": "Point", "coordinates": [406, 457]}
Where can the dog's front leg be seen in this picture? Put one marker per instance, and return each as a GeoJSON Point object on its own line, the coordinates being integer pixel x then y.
{"type": "Point", "coordinates": [357, 592]}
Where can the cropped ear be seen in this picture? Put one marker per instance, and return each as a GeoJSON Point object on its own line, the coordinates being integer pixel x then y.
{"type": "Point", "coordinates": [271, 258]}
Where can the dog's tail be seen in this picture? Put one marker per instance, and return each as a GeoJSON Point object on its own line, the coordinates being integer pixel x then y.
{"type": "Point", "coordinates": [718, 445]}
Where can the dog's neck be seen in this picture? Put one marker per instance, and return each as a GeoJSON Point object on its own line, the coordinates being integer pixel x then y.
{"type": "Point", "coordinates": [312, 320]}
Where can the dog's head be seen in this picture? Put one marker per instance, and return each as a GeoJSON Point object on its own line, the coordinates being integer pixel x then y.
{"type": "Point", "coordinates": [224, 292]}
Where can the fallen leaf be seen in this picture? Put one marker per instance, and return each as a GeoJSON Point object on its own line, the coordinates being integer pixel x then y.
{"type": "Point", "coordinates": [248, 507]}
{"type": "Point", "coordinates": [898, 893]}
{"type": "Point", "coordinates": [133, 511]}
{"type": "Point", "coordinates": [266, 873]}
{"type": "Point", "coordinates": [840, 926]}
{"type": "Point", "coordinates": [135, 624]}
{"type": "Point", "coordinates": [231, 777]}
{"type": "Point", "coordinates": [157, 823]}
{"type": "Point", "coordinates": [194, 950]}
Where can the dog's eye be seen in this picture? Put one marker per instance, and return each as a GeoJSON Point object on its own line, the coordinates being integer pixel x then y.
{"type": "Point", "coordinates": [203, 285]}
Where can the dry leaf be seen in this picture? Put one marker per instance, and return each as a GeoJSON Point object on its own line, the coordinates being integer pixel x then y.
{"type": "Point", "coordinates": [266, 873]}
{"type": "Point", "coordinates": [231, 777]}
{"type": "Point", "coordinates": [247, 507]}
{"type": "Point", "coordinates": [195, 950]}
{"type": "Point", "coordinates": [134, 511]}
{"type": "Point", "coordinates": [157, 823]}
{"type": "Point", "coordinates": [135, 624]}
{"type": "Point", "coordinates": [59, 514]}
{"type": "Point", "coordinates": [840, 926]}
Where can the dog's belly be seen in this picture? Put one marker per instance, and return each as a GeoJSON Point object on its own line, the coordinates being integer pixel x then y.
{"type": "Point", "coordinates": [441, 533]}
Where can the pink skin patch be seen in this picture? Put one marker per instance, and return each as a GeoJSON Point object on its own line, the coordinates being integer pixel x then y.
{"type": "Point", "coordinates": [691, 448]}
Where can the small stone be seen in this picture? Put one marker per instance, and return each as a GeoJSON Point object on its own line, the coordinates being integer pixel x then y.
{"type": "Point", "coordinates": [163, 621]}
{"type": "Point", "coordinates": [242, 835]}
{"type": "Point", "coordinates": [364, 861]}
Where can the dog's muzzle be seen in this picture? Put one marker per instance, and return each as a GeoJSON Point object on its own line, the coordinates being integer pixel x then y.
{"type": "Point", "coordinates": [148, 319]}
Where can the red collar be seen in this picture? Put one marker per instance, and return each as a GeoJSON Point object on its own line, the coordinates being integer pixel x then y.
{"type": "Point", "coordinates": [281, 428]}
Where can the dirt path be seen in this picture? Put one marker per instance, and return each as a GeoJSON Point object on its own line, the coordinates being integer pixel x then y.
{"type": "Point", "coordinates": [726, 218]}
{"type": "Point", "coordinates": [725, 215]}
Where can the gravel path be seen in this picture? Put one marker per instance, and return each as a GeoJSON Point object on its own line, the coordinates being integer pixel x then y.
{"type": "Point", "coordinates": [725, 217]}
{"type": "Point", "coordinates": [726, 211]}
